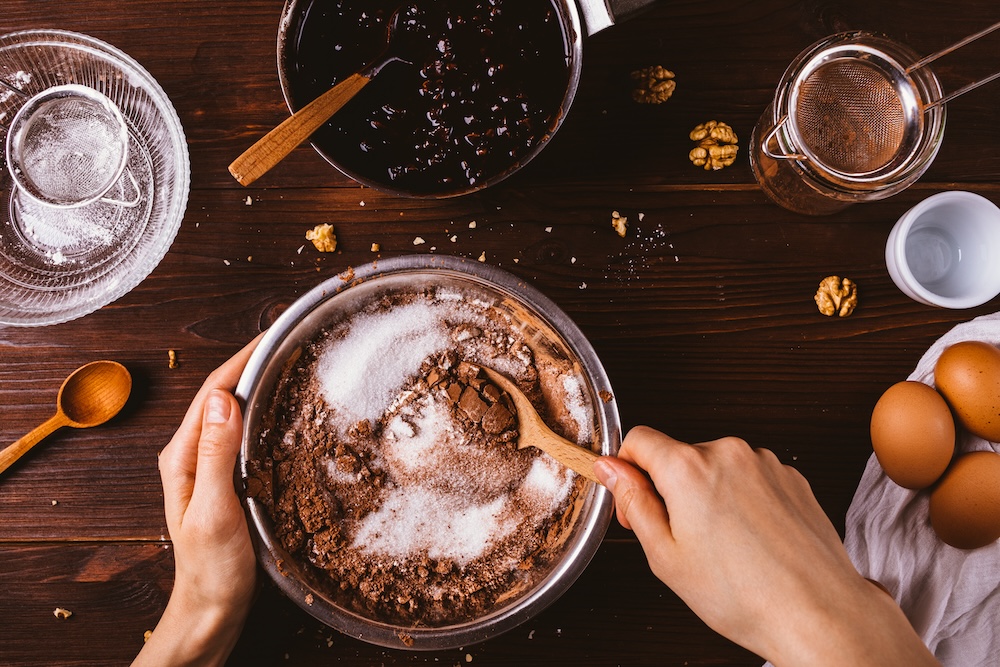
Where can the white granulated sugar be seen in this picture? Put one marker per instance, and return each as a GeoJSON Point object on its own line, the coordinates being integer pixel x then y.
{"type": "Point", "coordinates": [399, 429]}
{"type": "Point", "coordinates": [363, 372]}
{"type": "Point", "coordinates": [339, 476]}
{"type": "Point", "coordinates": [423, 444]}
{"type": "Point", "coordinates": [549, 482]}
{"type": "Point", "coordinates": [417, 435]}
{"type": "Point", "coordinates": [415, 520]}
{"type": "Point", "coordinates": [576, 404]}
{"type": "Point", "coordinates": [449, 295]}
{"type": "Point", "coordinates": [506, 366]}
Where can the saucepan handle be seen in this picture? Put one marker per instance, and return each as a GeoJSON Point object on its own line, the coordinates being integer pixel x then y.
{"type": "Point", "coordinates": [600, 14]}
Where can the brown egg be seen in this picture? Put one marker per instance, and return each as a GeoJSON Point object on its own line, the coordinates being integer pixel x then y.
{"type": "Point", "coordinates": [965, 506]}
{"type": "Point", "coordinates": [913, 434]}
{"type": "Point", "coordinates": [968, 375]}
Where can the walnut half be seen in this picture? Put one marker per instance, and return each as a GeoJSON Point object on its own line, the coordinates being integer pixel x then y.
{"type": "Point", "coordinates": [717, 145]}
{"type": "Point", "coordinates": [619, 223]}
{"type": "Point", "coordinates": [653, 85]}
{"type": "Point", "coordinates": [836, 296]}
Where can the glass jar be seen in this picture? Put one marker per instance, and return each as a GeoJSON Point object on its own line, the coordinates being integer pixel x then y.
{"type": "Point", "coordinates": [851, 121]}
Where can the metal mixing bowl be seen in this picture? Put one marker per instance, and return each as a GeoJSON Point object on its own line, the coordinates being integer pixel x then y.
{"type": "Point", "coordinates": [546, 328]}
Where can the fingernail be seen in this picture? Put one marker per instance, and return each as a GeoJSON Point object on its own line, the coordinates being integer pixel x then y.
{"type": "Point", "coordinates": [606, 473]}
{"type": "Point", "coordinates": [217, 407]}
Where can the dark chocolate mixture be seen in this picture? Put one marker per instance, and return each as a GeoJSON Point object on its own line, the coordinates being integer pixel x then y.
{"type": "Point", "coordinates": [485, 87]}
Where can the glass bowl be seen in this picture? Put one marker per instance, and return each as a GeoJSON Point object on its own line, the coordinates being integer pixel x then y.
{"type": "Point", "coordinates": [60, 262]}
{"type": "Point", "coordinates": [546, 329]}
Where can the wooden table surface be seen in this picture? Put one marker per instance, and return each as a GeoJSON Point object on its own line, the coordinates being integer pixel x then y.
{"type": "Point", "coordinates": [703, 314]}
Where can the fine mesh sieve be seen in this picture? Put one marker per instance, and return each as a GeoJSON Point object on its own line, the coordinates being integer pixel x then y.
{"type": "Point", "coordinates": [67, 146]}
{"type": "Point", "coordinates": [850, 116]}
{"type": "Point", "coordinates": [858, 110]}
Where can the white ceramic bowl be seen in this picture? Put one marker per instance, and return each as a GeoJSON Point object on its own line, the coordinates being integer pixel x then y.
{"type": "Point", "coordinates": [945, 251]}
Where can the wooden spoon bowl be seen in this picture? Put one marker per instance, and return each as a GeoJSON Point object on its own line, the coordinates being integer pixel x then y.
{"type": "Point", "coordinates": [90, 396]}
{"type": "Point", "coordinates": [533, 432]}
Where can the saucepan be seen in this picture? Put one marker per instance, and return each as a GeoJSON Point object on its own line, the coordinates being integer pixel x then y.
{"type": "Point", "coordinates": [477, 90]}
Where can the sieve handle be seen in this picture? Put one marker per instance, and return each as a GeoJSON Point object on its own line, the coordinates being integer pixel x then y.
{"type": "Point", "coordinates": [772, 133]}
{"type": "Point", "coordinates": [923, 62]}
{"type": "Point", "coordinates": [927, 60]}
{"type": "Point", "coordinates": [132, 203]}
{"type": "Point", "coordinates": [961, 91]}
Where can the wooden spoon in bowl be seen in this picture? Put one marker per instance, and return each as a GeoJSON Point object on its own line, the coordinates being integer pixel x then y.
{"type": "Point", "coordinates": [275, 146]}
{"type": "Point", "coordinates": [534, 433]}
{"type": "Point", "coordinates": [90, 396]}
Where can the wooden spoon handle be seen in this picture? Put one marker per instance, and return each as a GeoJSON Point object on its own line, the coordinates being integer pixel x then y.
{"type": "Point", "coordinates": [13, 452]}
{"type": "Point", "coordinates": [274, 146]}
{"type": "Point", "coordinates": [578, 459]}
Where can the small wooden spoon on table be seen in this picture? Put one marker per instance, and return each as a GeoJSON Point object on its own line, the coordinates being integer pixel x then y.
{"type": "Point", "coordinates": [534, 433]}
{"type": "Point", "coordinates": [90, 396]}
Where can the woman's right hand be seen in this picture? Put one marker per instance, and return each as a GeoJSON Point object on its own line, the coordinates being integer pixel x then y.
{"type": "Point", "coordinates": [742, 540]}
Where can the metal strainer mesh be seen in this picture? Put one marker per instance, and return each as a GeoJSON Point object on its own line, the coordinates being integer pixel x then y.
{"type": "Point", "coordinates": [850, 117]}
{"type": "Point", "coordinates": [70, 149]}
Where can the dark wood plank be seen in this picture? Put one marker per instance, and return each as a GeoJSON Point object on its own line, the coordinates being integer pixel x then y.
{"type": "Point", "coordinates": [116, 592]}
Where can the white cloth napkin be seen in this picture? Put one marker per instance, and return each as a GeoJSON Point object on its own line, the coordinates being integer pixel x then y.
{"type": "Point", "coordinates": [951, 596]}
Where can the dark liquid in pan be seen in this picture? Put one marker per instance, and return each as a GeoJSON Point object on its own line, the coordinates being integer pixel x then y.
{"type": "Point", "coordinates": [485, 88]}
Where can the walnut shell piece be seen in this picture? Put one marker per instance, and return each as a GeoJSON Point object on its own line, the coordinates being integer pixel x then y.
{"type": "Point", "coordinates": [717, 145]}
{"type": "Point", "coordinates": [653, 85]}
{"type": "Point", "coordinates": [719, 133]}
{"type": "Point", "coordinates": [836, 296]}
{"type": "Point", "coordinates": [619, 223]}
{"type": "Point", "coordinates": [322, 237]}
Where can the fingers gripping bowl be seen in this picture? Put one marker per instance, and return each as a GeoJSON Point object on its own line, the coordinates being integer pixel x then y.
{"type": "Point", "coordinates": [384, 490]}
